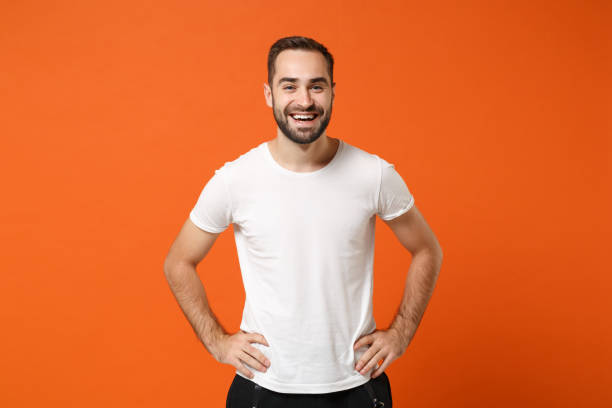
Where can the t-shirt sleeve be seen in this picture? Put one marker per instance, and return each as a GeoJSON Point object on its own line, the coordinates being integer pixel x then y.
{"type": "Point", "coordinates": [394, 197]}
{"type": "Point", "coordinates": [213, 210]}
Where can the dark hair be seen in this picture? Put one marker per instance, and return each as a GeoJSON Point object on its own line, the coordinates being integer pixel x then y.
{"type": "Point", "coordinates": [298, 43]}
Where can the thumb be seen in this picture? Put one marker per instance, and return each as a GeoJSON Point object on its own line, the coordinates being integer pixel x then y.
{"type": "Point", "coordinates": [259, 338]}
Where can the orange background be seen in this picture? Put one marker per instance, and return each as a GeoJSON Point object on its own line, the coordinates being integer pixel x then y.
{"type": "Point", "coordinates": [115, 114]}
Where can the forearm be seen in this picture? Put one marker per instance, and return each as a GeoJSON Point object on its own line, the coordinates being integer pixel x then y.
{"type": "Point", "coordinates": [191, 297]}
{"type": "Point", "coordinates": [420, 282]}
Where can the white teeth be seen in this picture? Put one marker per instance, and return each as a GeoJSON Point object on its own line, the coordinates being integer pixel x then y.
{"type": "Point", "coordinates": [303, 117]}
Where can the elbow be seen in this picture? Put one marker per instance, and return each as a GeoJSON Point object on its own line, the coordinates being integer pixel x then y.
{"type": "Point", "coordinates": [166, 267]}
{"type": "Point", "coordinates": [438, 257]}
{"type": "Point", "coordinates": [435, 254]}
{"type": "Point", "coordinates": [171, 272]}
{"type": "Point", "coordinates": [174, 268]}
{"type": "Point", "coordinates": [170, 266]}
{"type": "Point", "coordinates": [438, 254]}
{"type": "Point", "coordinates": [436, 250]}
{"type": "Point", "coordinates": [433, 250]}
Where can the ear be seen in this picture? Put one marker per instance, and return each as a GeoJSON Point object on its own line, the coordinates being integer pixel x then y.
{"type": "Point", "coordinates": [268, 94]}
{"type": "Point", "coordinates": [333, 92]}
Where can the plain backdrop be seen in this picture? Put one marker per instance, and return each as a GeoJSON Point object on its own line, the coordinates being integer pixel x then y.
{"type": "Point", "coordinates": [114, 114]}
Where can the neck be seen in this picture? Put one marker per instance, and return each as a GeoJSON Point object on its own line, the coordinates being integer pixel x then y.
{"type": "Point", "coordinates": [303, 157]}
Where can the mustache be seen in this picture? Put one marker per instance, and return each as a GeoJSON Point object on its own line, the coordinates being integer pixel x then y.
{"type": "Point", "coordinates": [312, 109]}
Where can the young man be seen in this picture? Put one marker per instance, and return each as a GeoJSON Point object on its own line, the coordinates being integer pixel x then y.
{"type": "Point", "coordinates": [304, 207]}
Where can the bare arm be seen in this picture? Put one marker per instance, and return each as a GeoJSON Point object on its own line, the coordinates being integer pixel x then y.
{"type": "Point", "coordinates": [190, 247]}
{"type": "Point", "coordinates": [414, 234]}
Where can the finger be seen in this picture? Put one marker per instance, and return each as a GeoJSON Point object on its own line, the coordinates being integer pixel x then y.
{"type": "Point", "coordinates": [252, 361]}
{"type": "Point", "coordinates": [362, 342]}
{"type": "Point", "coordinates": [242, 368]}
{"type": "Point", "coordinates": [258, 338]}
{"type": "Point", "coordinates": [261, 357]}
{"type": "Point", "coordinates": [382, 367]}
{"type": "Point", "coordinates": [365, 358]}
{"type": "Point", "coordinates": [372, 362]}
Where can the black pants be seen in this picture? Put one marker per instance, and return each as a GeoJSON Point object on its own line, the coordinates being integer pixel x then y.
{"type": "Point", "coordinates": [244, 393]}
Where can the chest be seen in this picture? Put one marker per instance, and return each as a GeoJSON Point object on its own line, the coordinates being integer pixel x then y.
{"type": "Point", "coordinates": [280, 218]}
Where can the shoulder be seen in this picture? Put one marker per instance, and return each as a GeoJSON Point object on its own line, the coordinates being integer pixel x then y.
{"type": "Point", "coordinates": [361, 157]}
{"type": "Point", "coordinates": [245, 163]}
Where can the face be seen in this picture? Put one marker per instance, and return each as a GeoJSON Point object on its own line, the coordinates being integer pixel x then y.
{"type": "Point", "coordinates": [301, 84]}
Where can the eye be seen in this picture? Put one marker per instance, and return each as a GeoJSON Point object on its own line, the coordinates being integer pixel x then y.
{"type": "Point", "coordinates": [318, 86]}
{"type": "Point", "coordinates": [288, 86]}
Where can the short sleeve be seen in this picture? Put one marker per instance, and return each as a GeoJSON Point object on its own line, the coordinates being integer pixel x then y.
{"type": "Point", "coordinates": [394, 197]}
{"type": "Point", "coordinates": [212, 212]}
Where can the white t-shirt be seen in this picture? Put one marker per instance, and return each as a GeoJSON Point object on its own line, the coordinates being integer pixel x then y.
{"type": "Point", "coordinates": [305, 245]}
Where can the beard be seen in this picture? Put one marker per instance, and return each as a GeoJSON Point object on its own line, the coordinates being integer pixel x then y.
{"type": "Point", "coordinates": [302, 135]}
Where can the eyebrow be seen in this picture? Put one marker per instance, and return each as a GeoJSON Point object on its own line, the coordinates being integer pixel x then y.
{"type": "Point", "coordinates": [312, 80]}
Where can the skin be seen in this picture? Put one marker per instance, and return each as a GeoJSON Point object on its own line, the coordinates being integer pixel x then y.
{"type": "Point", "coordinates": [415, 235]}
{"type": "Point", "coordinates": [307, 90]}
{"type": "Point", "coordinates": [303, 148]}
{"type": "Point", "coordinates": [186, 252]}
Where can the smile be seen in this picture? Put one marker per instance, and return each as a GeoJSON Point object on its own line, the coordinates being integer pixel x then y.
{"type": "Point", "coordinates": [304, 118]}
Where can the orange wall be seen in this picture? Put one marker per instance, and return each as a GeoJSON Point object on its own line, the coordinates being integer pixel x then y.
{"type": "Point", "coordinates": [114, 114]}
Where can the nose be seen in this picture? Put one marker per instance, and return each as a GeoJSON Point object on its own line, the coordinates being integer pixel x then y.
{"type": "Point", "coordinates": [303, 98]}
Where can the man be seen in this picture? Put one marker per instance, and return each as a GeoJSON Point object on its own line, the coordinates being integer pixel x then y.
{"type": "Point", "coordinates": [304, 207]}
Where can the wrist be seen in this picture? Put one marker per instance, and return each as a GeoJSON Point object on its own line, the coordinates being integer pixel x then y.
{"type": "Point", "coordinates": [212, 339]}
{"type": "Point", "coordinates": [213, 344]}
{"type": "Point", "coordinates": [404, 331]}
